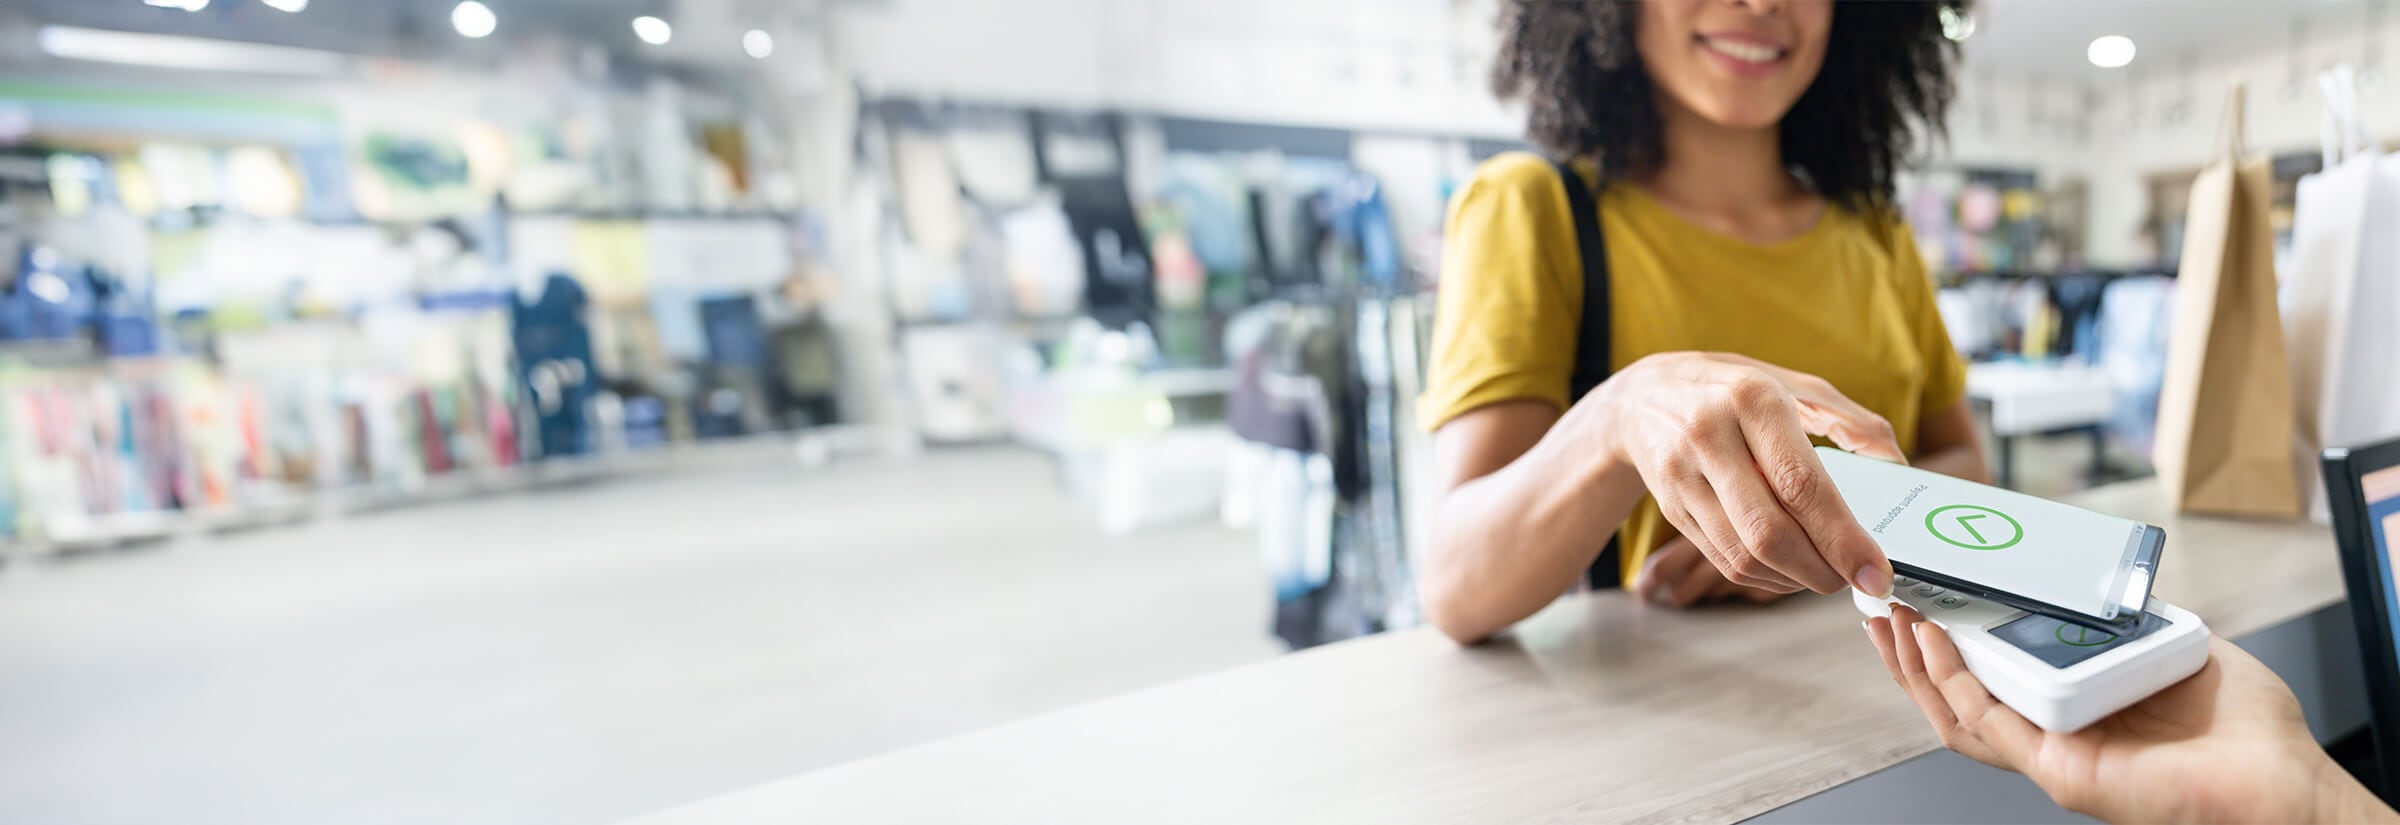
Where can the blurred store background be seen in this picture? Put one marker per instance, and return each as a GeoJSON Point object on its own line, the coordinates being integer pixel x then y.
{"type": "Point", "coordinates": [558, 410]}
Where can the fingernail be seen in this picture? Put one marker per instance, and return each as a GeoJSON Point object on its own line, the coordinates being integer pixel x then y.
{"type": "Point", "coordinates": [1873, 581]}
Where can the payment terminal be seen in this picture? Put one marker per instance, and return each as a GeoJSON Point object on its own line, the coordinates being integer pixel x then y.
{"type": "Point", "coordinates": [2059, 675]}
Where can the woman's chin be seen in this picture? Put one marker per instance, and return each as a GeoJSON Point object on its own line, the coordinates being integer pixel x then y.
{"type": "Point", "coordinates": [1745, 114]}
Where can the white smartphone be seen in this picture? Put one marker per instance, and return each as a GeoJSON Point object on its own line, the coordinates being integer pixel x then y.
{"type": "Point", "coordinates": [2029, 553]}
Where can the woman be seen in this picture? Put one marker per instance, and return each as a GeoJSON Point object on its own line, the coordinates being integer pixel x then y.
{"type": "Point", "coordinates": [1760, 289]}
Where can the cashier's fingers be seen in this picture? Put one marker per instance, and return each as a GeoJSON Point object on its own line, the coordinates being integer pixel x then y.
{"type": "Point", "coordinates": [1879, 633]}
{"type": "Point", "coordinates": [1908, 665]}
{"type": "Point", "coordinates": [2009, 738]}
{"type": "Point", "coordinates": [1907, 627]}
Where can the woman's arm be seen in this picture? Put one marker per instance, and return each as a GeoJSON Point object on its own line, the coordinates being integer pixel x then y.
{"type": "Point", "coordinates": [1524, 511]}
{"type": "Point", "coordinates": [1948, 443]}
{"type": "Point", "coordinates": [1531, 496]}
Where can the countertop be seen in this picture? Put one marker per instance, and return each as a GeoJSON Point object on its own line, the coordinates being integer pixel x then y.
{"type": "Point", "coordinates": [1598, 709]}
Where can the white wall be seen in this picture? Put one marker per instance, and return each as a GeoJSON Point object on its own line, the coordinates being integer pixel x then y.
{"type": "Point", "coordinates": [2007, 122]}
{"type": "Point", "coordinates": [1407, 65]}
{"type": "Point", "coordinates": [1419, 66]}
{"type": "Point", "coordinates": [1372, 65]}
{"type": "Point", "coordinates": [2168, 123]}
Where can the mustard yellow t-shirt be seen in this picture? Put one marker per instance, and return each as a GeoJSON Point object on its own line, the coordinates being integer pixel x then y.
{"type": "Point", "coordinates": [1848, 301]}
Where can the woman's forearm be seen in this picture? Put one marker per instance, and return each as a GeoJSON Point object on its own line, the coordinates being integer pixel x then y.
{"type": "Point", "coordinates": [1510, 542]}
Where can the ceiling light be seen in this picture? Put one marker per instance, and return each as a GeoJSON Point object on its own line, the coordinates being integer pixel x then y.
{"type": "Point", "coordinates": [293, 6]}
{"type": "Point", "coordinates": [473, 19]}
{"type": "Point", "coordinates": [758, 44]}
{"type": "Point", "coordinates": [652, 30]}
{"type": "Point", "coordinates": [1957, 24]}
{"type": "Point", "coordinates": [2110, 52]}
{"type": "Point", "coordinates": [186, 5]}
{"type": "Point", "coordinates": [196, 53]}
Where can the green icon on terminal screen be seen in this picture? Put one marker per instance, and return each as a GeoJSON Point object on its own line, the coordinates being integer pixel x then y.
{"type": "Point", "coordinates": [1974, 527]}
{"type": "Point", "coordinates": [2080, 636]}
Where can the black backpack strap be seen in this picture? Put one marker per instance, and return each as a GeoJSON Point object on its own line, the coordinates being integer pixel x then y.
{"type": "Point", "coordinates": [1592, 334]}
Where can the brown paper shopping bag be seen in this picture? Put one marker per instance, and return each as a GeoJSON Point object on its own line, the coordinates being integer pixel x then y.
{"type": "Point", "coordinates": [2225, 423]}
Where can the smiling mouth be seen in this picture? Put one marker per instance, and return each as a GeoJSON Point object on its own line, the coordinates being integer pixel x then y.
{"type": "Point", "coordinates": [1743, 51]}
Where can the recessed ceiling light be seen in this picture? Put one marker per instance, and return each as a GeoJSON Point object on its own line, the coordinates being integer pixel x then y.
{"type": "Point", "coordinates": [652, 30]}
{"type": "Point", "coordinates": [473, 19]}
{"type": "Point", "coordinates": [758, 44]}
{"type": "Point", "coordinates": [1957, 24]}
{"type": "Point", "coordinates": [2110, 52]}
{"type": "Point", "coordinates": [293, 6]}
{"type": "Point", "coordinates": [186, 5]}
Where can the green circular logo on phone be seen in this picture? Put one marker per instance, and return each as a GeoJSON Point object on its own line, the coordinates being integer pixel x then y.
{"type": "Point", "coordinates": [1974, 527]}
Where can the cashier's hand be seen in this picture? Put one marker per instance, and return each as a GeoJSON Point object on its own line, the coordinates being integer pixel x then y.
{"type": "Point", "coordinates": [2226, 745]}
{"type": "Point", "coordinates": [1722, 442]}
{"type": "Point", "coordinates": [1676, 575]}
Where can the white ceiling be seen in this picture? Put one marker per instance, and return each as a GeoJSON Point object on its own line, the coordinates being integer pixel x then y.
{"type": "Point", "coordinates": [706, 32]}
{"type": "Point", "coordinates": [2045, 39]}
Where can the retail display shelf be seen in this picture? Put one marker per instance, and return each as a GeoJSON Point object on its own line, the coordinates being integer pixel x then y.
{"type": "Point", "coordinates": [128, 529]}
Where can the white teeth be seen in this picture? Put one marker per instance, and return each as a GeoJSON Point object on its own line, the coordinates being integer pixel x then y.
{"type": "Point", "coordinates": [1745, 52]}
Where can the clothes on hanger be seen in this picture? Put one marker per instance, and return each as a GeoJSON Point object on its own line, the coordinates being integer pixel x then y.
{"type": "Point", "coordinates": [555, 353]}
{"type": "Point", "coordinates": [1213, 209]}
{"type": "Point", "coordinates": [2077, 297]}
{"type": "Point", "coordinates": [1120, 286]}
{"type": "Point", "coordinates": [1318, 398]}
{"type": "Point", "coordinates": [2135, 318]}
{"type": "Point", "coordinates": [809, 368]}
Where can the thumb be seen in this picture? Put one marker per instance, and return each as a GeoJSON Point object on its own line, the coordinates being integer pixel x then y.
{"type": "Point", "coordinates": [1825, 411]}
{"type": "Point", "coordinates": [1854, 428]}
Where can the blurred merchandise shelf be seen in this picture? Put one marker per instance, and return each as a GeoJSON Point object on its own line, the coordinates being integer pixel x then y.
{"type": "Point", "coordinates": [74, 532]}
{"type": "Point", "coordinates": [1072, 411]}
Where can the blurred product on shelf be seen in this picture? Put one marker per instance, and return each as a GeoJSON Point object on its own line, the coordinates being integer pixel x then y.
{"type": "Point", "coordinates": [208, 331]}
{"type": "Point", "coordinates": [555, 357]}
{"type": "Point", "coordinates": [954, 380]}
{"type": "Point", "coordinates": [1327, 473]}
{"type": "Point", "coordinates": [1045, 266]}
{"type": "Point", "coordinates": [1976, 220]}
{"type": "Point", "coordinates": [1146, 285]}
{"type": "Point", "coordinates": [2135, 316]}
{"type": "Point", "coordinates": [2116, 321]}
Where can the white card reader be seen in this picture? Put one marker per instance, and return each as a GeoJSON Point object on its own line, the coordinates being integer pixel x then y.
{"type": "Point", "coordinates": [2058, 675]}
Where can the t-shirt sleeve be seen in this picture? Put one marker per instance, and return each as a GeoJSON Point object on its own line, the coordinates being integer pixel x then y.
{"type": "Point", "coordinates": [1504, 326]}
{"type": "Point", "coordinates": [1946, 372]}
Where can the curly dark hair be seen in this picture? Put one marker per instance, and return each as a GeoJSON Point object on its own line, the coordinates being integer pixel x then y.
{"type": "Point", "coordinates": [1574, 64]}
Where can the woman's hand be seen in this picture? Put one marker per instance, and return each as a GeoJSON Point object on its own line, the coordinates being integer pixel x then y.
{"type": "Point", "coordinates": [1676, 575]}
{"type": "Point", "coordinates": [1722, 442]}
{"type": "Point", "coordinates": [2226, 745]}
